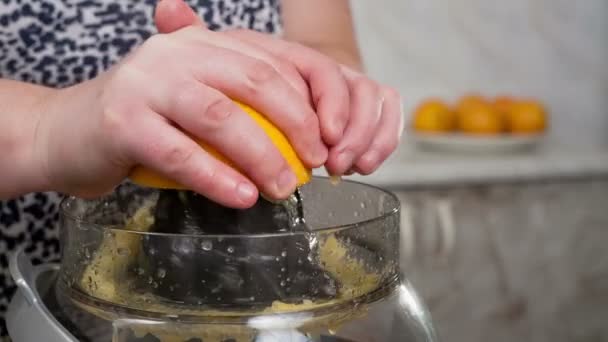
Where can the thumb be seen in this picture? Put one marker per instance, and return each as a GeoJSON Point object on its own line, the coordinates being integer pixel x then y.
{"type": "Point", "coordinates": [172, 15]}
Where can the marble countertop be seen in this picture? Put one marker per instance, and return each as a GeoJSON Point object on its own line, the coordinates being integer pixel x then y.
{"type": "Point", "coordinates": [410, 166]}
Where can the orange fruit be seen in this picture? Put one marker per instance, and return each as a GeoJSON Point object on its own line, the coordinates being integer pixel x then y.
{"type": "Point", "coordinates": [527, 117]}
{"type": "Point", "coordinates": [468, 101]}
{"type": "Point", "coordinates": [146, 177]}
{"type": "Point", "coordinates": [503, 104]}
{"type": "Point", "coordinates": [480, 118]}
{"type": "Point", "coordinates": [433, 116]}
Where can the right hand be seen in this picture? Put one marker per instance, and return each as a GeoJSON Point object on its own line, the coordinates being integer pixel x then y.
{"type": "Point", "coordinates": [99, 130]}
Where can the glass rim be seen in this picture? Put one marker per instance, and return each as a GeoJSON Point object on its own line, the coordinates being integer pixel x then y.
{"type": "Point", "coordinates": [65, 212]}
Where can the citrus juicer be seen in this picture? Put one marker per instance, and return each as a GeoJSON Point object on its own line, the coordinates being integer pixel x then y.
{"type": "Point", "coordinates": [160, 263]}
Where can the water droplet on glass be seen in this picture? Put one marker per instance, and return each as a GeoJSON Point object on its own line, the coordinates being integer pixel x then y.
{"type": "Point", "coordinates": [87, 253]}
{"type": "Point", "coordinates": [203, 281]}
{"type": "Point", "coordinates": [277, 259]}
{"type": "Point", "coordinates": [283, 283]}
{"type": "Point", "coordinates": [140, 271]}
{"type": "Point", "coordinates": [363, 205]}
{"type": "Point", "coordinates": [152, 251]}
{"type": "Point", "coordinates": [150, 280]}
{"type": "Point", "coordinates": [200, 302]}
{"type": "Point", "coordinates": [288, 279]}
{"type": "Point", "coordinates": [161, 273]}
{"type": "Point", "coordinates": [171, 288]}
{"type": "Point", "coordinates": [283, 269]}
{"type": "Point", "coordinates": [330, 214]}
{"type": "Point", "coordinates": [252, 298]}
{"type": "Point", "coordinates": [300, 261]}
{"type": "Point", "coordinates": [284, 254]}
{"type": "Point", "coordinates": [155, 285]}
{"type": "Point", "coordinates": [230, 249]}
{"type": "Point", "coordinates": [206, 245]}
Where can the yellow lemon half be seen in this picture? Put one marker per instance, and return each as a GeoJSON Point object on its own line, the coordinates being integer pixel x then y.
{"type": "Point", "coordinates": [146, 177]}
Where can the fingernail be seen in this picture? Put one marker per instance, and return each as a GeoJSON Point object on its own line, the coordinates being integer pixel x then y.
{"type": "Point", "coordinates": [286, 181]}
{"type": "Point", "coordinates": [345, 160]}
{"type": "Point", "coordinates": [245, 191]}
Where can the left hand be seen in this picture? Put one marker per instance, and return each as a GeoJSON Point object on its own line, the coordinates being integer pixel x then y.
{"type": "Point", "coordinates": [361, 121]}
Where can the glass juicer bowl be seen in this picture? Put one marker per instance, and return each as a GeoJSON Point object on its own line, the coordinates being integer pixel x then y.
{"type": "Point", "coordinates": [335, 279]}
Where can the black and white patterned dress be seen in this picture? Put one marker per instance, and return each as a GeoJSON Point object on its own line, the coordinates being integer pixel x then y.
{"type": "Point", "coordinates": [62, 42]}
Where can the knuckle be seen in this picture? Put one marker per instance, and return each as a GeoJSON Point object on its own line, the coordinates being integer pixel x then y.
{"type": "Point", "coordinates": [207, 178]}
{"type": "Point", "coordinates": [217, 112]}
{"type": "Point", "coordinates": [260, 73]}
{"type": "Point", "coordinates": [306, 124]}
{"type": "Point", "coordinates": [362, 85]}
{"type": "Point", "coordinates": [185, 96]}
{"type": "Point", "coordinates": [177, 157]}
{"type": "Point", "coordinates": [112, 120]}
{"type": "Point", "coordinates": [392, 94]}
{"type": "Point", "coordinates": [265, 163]}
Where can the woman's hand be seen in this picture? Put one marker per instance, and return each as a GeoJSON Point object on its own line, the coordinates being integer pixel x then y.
{"type": "Point", "coordinates": [361, 121]}
{"type": "Point", "coordinates": [176, 85]}
{"type": "Point", "coordinates": [98, 130]}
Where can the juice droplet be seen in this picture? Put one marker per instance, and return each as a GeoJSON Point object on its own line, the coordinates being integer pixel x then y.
{"type": "Point", "coordinates": [161, 273]}
{"type": "Point", "coordinates": [206, 245]}
{"type": "Point", "coordinates": [335, 180]}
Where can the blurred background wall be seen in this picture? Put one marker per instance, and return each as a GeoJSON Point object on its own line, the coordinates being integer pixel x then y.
{"type": "Point", "coordinates": [554, 50]}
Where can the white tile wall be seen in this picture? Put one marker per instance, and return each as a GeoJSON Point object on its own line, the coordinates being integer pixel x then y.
{"type": "Point", "coordinates": [556, 50]}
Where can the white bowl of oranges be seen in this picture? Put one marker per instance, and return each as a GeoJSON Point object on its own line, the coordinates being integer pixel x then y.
{"type": "Point", "coordinates": [479, 124]}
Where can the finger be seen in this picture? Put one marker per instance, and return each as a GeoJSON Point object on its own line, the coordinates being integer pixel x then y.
{"type": "Point", "coordinates": [366, 106]}
{"type": "Point", "coordinates": [286, 69]}
{"type": "Point", "coordinates": [387, 136]}
{"type": "Point", "coordinates": [166, 150]}
{"type": "Point", "coordinates": [259, 85]}
{"type": "Point", "coordinates": [329, 88]}
{"type": "Point", "coordinates": [172, 15]}
{"type": "Point", "coordinates": [218, 121]}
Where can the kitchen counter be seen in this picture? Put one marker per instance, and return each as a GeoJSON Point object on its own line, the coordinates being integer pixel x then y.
{"type": "Point", "coordinates": [410, 166]}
